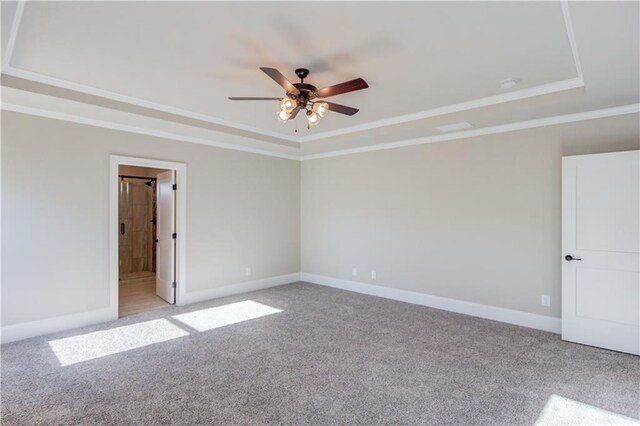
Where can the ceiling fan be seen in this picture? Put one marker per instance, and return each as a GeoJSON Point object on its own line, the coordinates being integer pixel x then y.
{"type": "Point", "coordinates": [306, 96]}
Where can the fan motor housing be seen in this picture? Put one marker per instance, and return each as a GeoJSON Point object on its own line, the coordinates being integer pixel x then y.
{"type": "Point", "coordinates": [306, 88]}
{"type": "Point", "coordinates": [302, 73]}
{"type": "Point", "coordinates": [307, 93]}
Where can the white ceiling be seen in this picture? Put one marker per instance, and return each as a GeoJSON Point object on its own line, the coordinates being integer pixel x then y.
{"type": "Point", "coordinates": [427, 63]}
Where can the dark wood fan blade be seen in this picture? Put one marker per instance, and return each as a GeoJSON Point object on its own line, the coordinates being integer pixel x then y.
{"type": "Point", "coordinates": [253, 99]}
{"type": "Point", "coordinates": [280, 79]}
{"type": "Point", "coordinates": [338, 89]}
{"type": "Point", "coordinates": [342, 109]}
{"type": "Point", "coordinates": [294, 112]}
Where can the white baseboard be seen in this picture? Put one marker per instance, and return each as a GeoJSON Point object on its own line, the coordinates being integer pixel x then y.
{"type": "Point", "coordinates": [25, 330]}
{"type": "Point", "coordinates": [12, 333]}
{"type": "Point", "coordinates": [244, 287]}
{"type": "Point", "coordinates": [525, 319]}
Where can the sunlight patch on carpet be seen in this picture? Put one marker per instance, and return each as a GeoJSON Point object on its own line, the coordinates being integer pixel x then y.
{"type": "Point", "coordinates": [71, 350]}
{"type": "Point", "coordinates": [220, 316]}
{"type": "Point", "coordinates": [565, 411]}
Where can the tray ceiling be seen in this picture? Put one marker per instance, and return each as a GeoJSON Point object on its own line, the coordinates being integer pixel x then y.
{"type": "Point", "coordinates": [424, 61]}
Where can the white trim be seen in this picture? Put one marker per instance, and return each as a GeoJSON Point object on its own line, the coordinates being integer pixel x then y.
{"type": "Point", "coordinates": [181, 217]}
{"type": "Point", "coordinates": [510, 316]}
{"type": "Point", "coordinates": [503, 128]}
{"type": "Point", "coordinates": [11, 43]}
{"type": "Point", "coordinates": [521, 125]}
{"type": "Point", "coordinates": [243, 287]}
{"type": "Point", "coordinates": [531, 92]}
{"type": "Point", "coordinates": [568, 23]}
{"type": "Point", "coordinates": [544, 89]}
{"type": "Point", "coordinates": [464, 106]}
{"type": "Point", "coordinates": [449, 109]}
{"type": "Point", "coordinates": [57, 82]}
{"type": "Point", "coordinates": [25, 330]}
{"type": "Point", "coordinates": [139, 130]}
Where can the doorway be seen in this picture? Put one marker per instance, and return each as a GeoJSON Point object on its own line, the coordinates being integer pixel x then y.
{"type": "Point", "coordinates": [146, 265]}
{"type": "Point", "coordinates": [147, 235]}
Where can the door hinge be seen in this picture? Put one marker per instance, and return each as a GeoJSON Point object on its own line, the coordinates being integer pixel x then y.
{"type": "Point", "coordinates": [174, 235]}
{"type": "Point", "coordinates": [175, 186]}
{"type": "Point", "coordinates": [173, 284]}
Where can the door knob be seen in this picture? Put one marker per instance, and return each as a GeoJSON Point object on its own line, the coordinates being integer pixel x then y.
{"type": "Point", "coordinates": [569, 258]}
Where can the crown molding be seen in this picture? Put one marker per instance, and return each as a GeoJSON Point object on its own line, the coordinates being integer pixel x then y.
{"type": "Point", "coordinates": [531, 92]}
{"type": "Point", "coordinates": [45, 79]}
{"type": "Point", "coordinates": [568, 23]}
{"type": "Point", "coordinates": [82, 88]}
{"type": "Point", "coordinates": [138, 130]}
{"type": "Point", "coordinates": [464, 106]}
{"type": "Point", "coordinates": [13, 33]}
{"type": "Point", "coordinates": [544, 89]}
{"type": "Point", "coordinates": [503, 128]}
{"type": "Point", "coordinates": [511, 127]}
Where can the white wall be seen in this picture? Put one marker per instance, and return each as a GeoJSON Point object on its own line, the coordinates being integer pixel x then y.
{"type": "Point", "coordinates": [476, 220]}
{"type": "Point", "coordinates": [243, 211]}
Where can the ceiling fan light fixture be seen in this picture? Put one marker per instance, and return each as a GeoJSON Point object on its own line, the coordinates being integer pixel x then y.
{"type": "Point", "coordinates": [306, 97]}
{"type": "Point", "coordinates": [288, 104]}
{"type": "Point", "coordinates": [283, 115]}
{"type": "Point", "coordinates": [312, 118]}
{"type": "Point", "coordinates": [321, 108]}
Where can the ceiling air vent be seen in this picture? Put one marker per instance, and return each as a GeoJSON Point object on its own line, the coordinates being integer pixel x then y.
{"type": "Point", "coordinates": [455, 126]}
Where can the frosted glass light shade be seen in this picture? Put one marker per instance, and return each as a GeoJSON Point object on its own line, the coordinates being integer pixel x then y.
{"type": "Point", "coordinates": [321, 108]}
{"type": "Point", "coordinates": [287, 104]}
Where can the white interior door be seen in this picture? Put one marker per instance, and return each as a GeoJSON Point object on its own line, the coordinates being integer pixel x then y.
{"type": "Point", "coordinates": [166, 245]}
{"type": "Point", "coordinates": [600, 249]}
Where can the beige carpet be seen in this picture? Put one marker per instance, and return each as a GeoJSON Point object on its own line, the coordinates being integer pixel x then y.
{"type": "Point", "coordinates": [306, 354]}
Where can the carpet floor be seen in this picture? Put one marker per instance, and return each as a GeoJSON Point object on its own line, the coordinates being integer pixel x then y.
{"type": "Point", "coordinates": [307, 354]}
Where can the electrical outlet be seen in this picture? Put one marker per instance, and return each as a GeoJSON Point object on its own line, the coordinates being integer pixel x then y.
{"type": "Point", "coordinates": [247, 271]}
{"type": "Point", "coordinates": [545, 300]}
{"type": "Point", "coordinates": [354, 272]}
{"type": "Point", "coordinates": [373, 275]}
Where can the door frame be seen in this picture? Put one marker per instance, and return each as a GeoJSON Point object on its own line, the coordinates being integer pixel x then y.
{"type": "Point", "coordinates": [115, 161]}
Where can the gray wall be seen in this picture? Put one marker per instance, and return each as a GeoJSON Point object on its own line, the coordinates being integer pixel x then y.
{"type": "Point", "coordinates": [476, 219]}
{"type": "Point", "coordinates": [243, 211]}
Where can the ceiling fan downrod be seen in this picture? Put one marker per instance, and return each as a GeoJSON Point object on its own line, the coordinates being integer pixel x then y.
{"type": "Point", "coordinates": [302, 73]}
